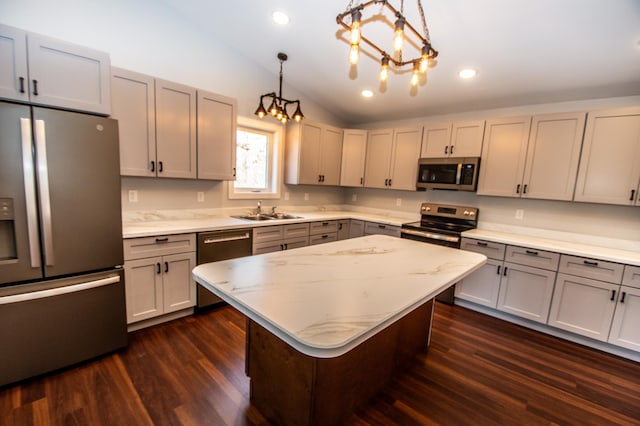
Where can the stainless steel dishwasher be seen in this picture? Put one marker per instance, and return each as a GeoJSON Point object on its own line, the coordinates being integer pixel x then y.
{"type": "Point", "coordinates": [220, 245]}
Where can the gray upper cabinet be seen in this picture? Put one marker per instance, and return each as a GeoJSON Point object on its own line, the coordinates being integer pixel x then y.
{"type": "Point", "coordinates": [457, 139]}
{"type": "Point", "coordinates": [392, 158]}
{"type": "Point", "coordinates": [354, 151]}
{"type": "Point", "coordinates": [46, 71]}
{"type": "Point", "coordinates": [610, 162]}
{"type": "Point", "coordinates": [217, 120]}
{"type": "Point", "coordinates": [313, 154]}
{"type": "Point", "coordinates": [133, 104]}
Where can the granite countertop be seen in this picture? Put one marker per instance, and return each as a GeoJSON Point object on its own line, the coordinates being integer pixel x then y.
{"type": "Point", "coordinates": [167, 223]}
{"type": "Point", "coordinates": [326, 299]}
{"type": "Point", "coordinates": [613, 250]}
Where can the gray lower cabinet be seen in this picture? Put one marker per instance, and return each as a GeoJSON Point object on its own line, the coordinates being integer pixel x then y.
{"type": "Point", "coordinates": [46, 71]}
{"type": "Point", "coordinates": [158, 275]}
{"type": "Point", "coordinates": [323, 232]}
{"type": "Point", "coordinates": [625, 328]}
{"type": "Point", "coordinates": [270, 239]}
{"type": "Point", "coordinates": [374, 228]}
{"type": "Point", "coordinates": [482, 286]}
{"type": "Point", "coordinates": [344, 226]}
{"type": "Point", "coordinates": [356, 228]}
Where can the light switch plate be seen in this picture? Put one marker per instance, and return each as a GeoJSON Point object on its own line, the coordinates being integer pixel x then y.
{"type": "Point", "coordinates": [519, 214]}
{"type": "Point", "coordinates": [306, 196]}
{"type": "Point", "coordinates": [200, 195]}
{"type": "Point", "coordinates": [133, 196]}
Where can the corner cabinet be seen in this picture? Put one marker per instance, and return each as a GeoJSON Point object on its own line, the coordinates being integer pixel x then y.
{"type": "Point", "coordinates": [47, 71]}
{"type": "Point", "coordinates": [158, 275]}
{"type": "Point", "coordinates": [313, 154]}
{"type": "Point", "coordinates": [610, 162]}
{"type": "Point", "coordinates": [457, 139]}
{"type": "Point", "coordinates": [216, 122]}
{"type": "Point", "coordinates": [532, 157]}
{"type": "Point", "coordinates": [392, 158]}
{"type": "Point", "coordinates": [354, 154]}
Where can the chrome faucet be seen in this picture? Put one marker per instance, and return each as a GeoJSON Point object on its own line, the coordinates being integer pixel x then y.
{"type": "Point", "coordinates": [273, 209]}
{"type": "Point", "coordinates": [259, 208]}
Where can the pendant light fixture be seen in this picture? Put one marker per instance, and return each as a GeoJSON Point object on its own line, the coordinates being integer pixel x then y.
{"type": "Point", "coordinates": [278, 105]}
{"type": "Point", "coordinates": [403, 34]}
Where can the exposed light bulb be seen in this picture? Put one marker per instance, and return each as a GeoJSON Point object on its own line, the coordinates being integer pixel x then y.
{"type": "Point", "coordinates": [398, 38]}
{"type": "Point", "coordinates": [273, 109]}
{"type": "Point", "coordinates": [355, 27]}
{"type": "Point", "coordinates": [298, 118]}
{"type": "Point", "coordinates": [384, 69]}
{"type": "Point", "coordinates": [354, 54]}
{"type": "Point", "coordinates": [415, 77]}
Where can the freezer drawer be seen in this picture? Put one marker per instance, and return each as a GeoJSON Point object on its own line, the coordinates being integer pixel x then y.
{"type": "Point", "coordinates": [49, 325]}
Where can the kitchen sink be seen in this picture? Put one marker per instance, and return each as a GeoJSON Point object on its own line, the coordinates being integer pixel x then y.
{"type": "Point", "coordinates": [264, 216]}
{"type": "Point", "coordinates": [284, 216]}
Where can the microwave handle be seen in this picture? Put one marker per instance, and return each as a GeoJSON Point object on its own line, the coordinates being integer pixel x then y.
{"type": "Point", "coordinates": [458, 173]}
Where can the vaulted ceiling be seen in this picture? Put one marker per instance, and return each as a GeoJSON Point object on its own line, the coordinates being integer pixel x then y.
{"type": "Point", "coordinates": [525, 52]}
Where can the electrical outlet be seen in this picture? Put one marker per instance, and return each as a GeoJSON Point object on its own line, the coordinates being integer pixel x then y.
{"type": "Point", "coordinates": [398, 202]}
{"type": "Point", "coordinates": [306, 196]}
{"type": "Point", "coordinates": [286, 196]}
{"type": "Point", "coordinates": [133, 196]}
{"type": "Point", "coordinates": [519, 214]}
{"type": "Point", "coordinates": [200, 196]}
{"type": "Point", "coordinates": [354, 197]}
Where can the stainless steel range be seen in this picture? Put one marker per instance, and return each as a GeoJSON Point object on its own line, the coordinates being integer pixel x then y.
{"type": "Point", "coordinates": [442, 225]}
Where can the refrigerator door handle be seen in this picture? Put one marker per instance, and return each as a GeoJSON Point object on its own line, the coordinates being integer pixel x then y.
{"type": "Point", "coordinates": [45, 203]}
{"type": "Point", "coordinates": [30, 192]}
{"type": "Point", "coordinates": [23, 297]}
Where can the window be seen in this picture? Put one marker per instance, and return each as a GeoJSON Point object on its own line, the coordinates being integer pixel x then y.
{"type": "Point", "coordinates": [258, 152]}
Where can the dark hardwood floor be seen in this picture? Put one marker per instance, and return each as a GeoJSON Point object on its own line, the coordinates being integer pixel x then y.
{"type": "Point", "coordinates": [479, 371]}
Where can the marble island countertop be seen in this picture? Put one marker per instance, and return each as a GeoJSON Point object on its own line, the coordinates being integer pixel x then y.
{"type": "Point", "coordinates": [324, 300]}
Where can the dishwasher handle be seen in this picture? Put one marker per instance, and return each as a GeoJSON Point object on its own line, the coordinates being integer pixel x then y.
{"type": "Point", "coordinates": [225, 238]}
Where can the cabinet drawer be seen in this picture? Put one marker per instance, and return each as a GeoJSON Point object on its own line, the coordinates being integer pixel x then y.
{"type": "Point", "coordinates": [323, 238]}
{"type": "Point", "coordinates": [267, 233]}
{"type": "Point", "coordinates": [267, 247]}
{"type": "Point", "coordinates": [139, 248]}
{"type": "Point", "coordinates": [631, 276]}
{"type": "Point", "coordinates": [323, 227]}
{"type": "Point", "coordinates": [531, 257]}
{"type": "Point", "coordinates": [489, 249]}
{"type": "Point", "coordinates": [591, 268]}
{"type": "Point", "coordinates": [295, 230]}
{"type": "Point", "coordinates": [372, 228]}
{"type": "Point", "coordinates": [297, 242]}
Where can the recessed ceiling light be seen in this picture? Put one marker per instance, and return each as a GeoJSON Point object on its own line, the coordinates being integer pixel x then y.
{"type": "Point", "coordinates": [467, 73]}
{"type": "Point", "coordinates": [367, 93]}
{"type": "Point", "coordinates": [280, 18]}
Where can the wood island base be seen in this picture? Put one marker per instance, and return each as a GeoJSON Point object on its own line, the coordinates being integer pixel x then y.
{"type": "Point", "coordinates": [291, 388]}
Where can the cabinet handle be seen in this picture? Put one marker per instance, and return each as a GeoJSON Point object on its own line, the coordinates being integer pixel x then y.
{"type": "Point", "coordinates": [325, 223]}
{"type": "Point", "coordinates": [234, 172]}
{"type": "Point", "coordinates": [505, 271]}
{"type": "Point", "coordinates": [531, 252]}
{"type": "Point", "coordinates": [524, 189]}
{"type": "Point", "coordinates": [589, 263]}
{"type": "Point", "coordinates": [386, 182]}
{"type": "Point", "coordinates": [162, 240]}
{"type": "Point", "coordinates": [482, 243]}
{"type": "Point", "coordinates": [389, 182]}
{"type": "Point", "coordinates": [624, 294]}
{"type": "Point", "coordinates": [281, 246]}
{"type": "Point", "coordinates": [325, 237]}
{"type": "Point", "coordinates": [633, 195]}
{"type": "Point", "coordinates": [319, 178]}
{"type": "Point", "coordinates": [160, 167]}
{"type": "Point", "coordinates": [166, 266]}
{"type": "Point", "coordinates": [21, 84]}
{"type": "Point", "coordinates": [382, 226]}
{"type": "Point", "coordinates": [446, 149]}
{"type": "Point", "coordinates": [498, 271]}
{"type": "Point", "coordinates": [158, 270]}
{"type": "Point", "coordinates": [286, 246]}
{"type": "Point", "coordinates": [451, 150]}
{"type": "Point", "coordinates": [35, 87]}
{"type": "Point", "coordinates": [153, 166]}
{"type": "Point", "coordinates": [613, 295]}
{"type": "Point", "coordinates": [518, 189]}
{"type": "Point", "coordinates": [361, 181]}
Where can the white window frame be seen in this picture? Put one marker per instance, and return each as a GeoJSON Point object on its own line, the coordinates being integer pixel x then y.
{"type": "Point", "coordinates": [276, 155]}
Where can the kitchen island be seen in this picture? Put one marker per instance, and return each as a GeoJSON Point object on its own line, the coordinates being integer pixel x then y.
{"type": "Point", "coordinates": [328, 325]}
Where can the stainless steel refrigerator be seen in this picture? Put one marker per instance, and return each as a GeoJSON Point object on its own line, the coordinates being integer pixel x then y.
{"type": "Point", "coordinates": [61, 280]}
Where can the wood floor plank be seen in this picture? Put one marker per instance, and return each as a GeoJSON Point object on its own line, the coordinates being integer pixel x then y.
{"type": "Point", "coordinates": [479, 371]}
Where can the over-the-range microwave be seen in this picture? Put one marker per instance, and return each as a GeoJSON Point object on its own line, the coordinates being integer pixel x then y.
{"type": "Point", "coordinates": [448, 173]}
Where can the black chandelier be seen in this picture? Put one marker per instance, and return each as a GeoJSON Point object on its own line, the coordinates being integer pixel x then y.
{"type": "Point", "coordinates": [402, 29]}
{"type": "Point", "coordinates": [278, 106]}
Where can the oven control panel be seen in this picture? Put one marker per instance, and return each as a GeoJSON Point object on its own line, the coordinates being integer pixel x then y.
{"type": "Point", "coordinates": [429, 209]}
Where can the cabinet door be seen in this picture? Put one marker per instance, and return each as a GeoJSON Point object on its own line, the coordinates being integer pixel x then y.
{"type": "Point", "coordinates": [631, 276]}
{"type": "Point", "coordinates": [68, 75]}
{"type": "Point", "coordinates": [583, 306]}
{"type": "Point", "coordinates": [625, 330]}
{"type": "Point", "coordinates": [216, 126]}
{"type": "Point", "coordinates": [175, 130]}
{"type": "Point", "coordinates": [354, 151]}
{"type": "Point", "coordinates": [310, 152]}
{"type": "Point", "coordinates": [552, 156]}
{"type": "Point", "coordinates": [379, 148]}
{"type": "Point", "coordinates": [404, 162]}
{"type": "Point", "coordinates": [526, 291]}
{"type": "Point", "coordinates": [436, 140]}
{"type": "Point", "coordinates": [610, 162]}
{"type": "Point", "coordinates": [143, 288]}
{"type": "Point", "coordinates": [482, 286]}
{"type": "Point", "coordinates": [331, 156]}
{"type": "Point", "coordinates": [295, 230]}
{"type": "Point", "coordinates": [343, 229]}
{"type": "Point", "coordinates": [13, 64]}
{"type": "Point", "coordinates": [466, 139]}
{"type": "Point", "coordinates": [503, 156]}
{"type": "Point", "coordinates": [373, 228]}
{"type": "Point", "coordinates": [179, 289]}
{"type": "Point", "coordinates": [133, 105]}
{"type": "Point", "coordinates": [356, 228]}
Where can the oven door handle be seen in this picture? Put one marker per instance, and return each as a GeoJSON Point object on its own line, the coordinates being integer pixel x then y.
{"type": "Point", "coordinates": [431, 235]}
